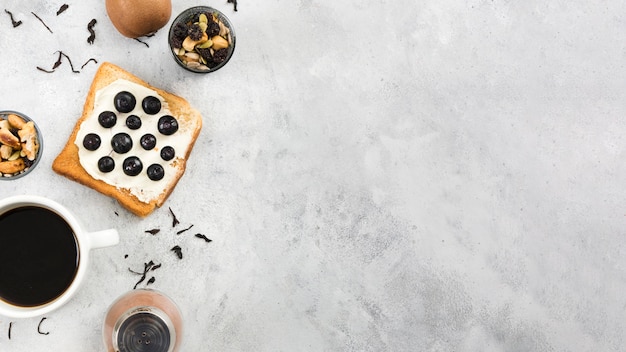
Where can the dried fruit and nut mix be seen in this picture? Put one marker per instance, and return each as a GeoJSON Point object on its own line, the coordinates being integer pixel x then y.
{"type": "Point", "coordinates": [202, 42]}
{"type": "Point", "coordinates": [19, 144]}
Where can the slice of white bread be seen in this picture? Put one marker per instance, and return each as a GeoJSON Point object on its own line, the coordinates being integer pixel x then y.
{"type": "Point", "coordinates": [68, 162]}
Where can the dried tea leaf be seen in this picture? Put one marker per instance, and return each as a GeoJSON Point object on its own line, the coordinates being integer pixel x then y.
{"type": "Point", "coordinates": [42, 22]}
{"type": "Point", "coordinates": [39, 327]}
{"type": "Point", "coordinates": [13, 21]}
{"type": "Point", "coordinates": [44, 70]}
{"type": "Point", "coordinates": [199, 235]}
{"type": "Point", "coordinates": [146, 268]}
{"type": "Point", "coordinates": [178, 251]}
{"type": "Point", "coordinates": [58, 62]}
{"type": "Point", "coordinates": [92, 33]}
{"type": "Point", "coordinates": [183, 230]}
{"type": "Point", "coordinates": [69, 60]}
{"type": "Point", "coordinates": [142, 42]}
{"type": "Point", "coordinates": [88, 61]}
{"type": "Point", "coordinates": [62, 9]}
{"type": "Point", "coordinates": [174, 219]}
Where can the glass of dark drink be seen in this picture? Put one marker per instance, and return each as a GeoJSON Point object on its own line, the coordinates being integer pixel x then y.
{"type": "Point", "coordinates": [143, 320]}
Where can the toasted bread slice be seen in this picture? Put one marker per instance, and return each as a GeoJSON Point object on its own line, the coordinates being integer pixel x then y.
{"type": "Point", "coordinates": [139, 193]}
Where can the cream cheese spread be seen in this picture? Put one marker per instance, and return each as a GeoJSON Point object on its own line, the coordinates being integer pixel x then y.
{"type": "Point", "coordinates": [141, 186]}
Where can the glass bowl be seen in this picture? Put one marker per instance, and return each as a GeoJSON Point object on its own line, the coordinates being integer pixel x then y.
{"type": "Point", "coordinates": [201, 39]}
{"type": "Point", "coordinates": [13, 164]}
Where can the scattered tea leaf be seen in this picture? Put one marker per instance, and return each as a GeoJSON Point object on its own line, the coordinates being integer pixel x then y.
{"type": "Point", "coordinates": [82, 67]}
{"type": "Point", "coordinates": [62, 9]}
{"type": "Point", "coordinates": [92, 33]}
{"type": "Point", "coordinates": [178, 251]}
{"type": "Point", "coordinates": [13, 21]}
{"type": "Point", "coordinates": [153, 231]}
{"type": "Point", "coordinates": [68, 60]}
{"type": "Point", "coordinates": [199, 235]}
{"type": "Point", "coordinates": [146, 268]}
{"type": "Point", "coordinates": [125, 256]}
{"type": "Point", "coordinates": [42, 22]}
{"type": "Point", "coordinates": [138, 282]}
{"type": "Point", "coordinates": [44, 70]}
{"type": "Point", "coordinates": [151, 281]}
{"type": "Point", "coordinates": [234, 2]}
{"type": "Point", "coordinates": [134, 272]}
{"type": "Point", "coordinates": [174, 219]}
{"type": "Point", "coordinates": [183, 230]}
{"type": "Point", "coordinates": [10, 326]}
{"type": "Point", "coordinates": [142, 42]}
{"type": "Point", "coordinates": [58, 62]}
{"type": "Point", "coordinates": [39, 327]}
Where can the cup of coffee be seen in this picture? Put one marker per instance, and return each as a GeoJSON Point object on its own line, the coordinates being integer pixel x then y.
{"type": "Point", "coordinates": [44, 255]}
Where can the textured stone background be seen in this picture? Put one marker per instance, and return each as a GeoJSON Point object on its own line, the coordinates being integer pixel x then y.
{"type": "Point", "coordinates": [429, 175]}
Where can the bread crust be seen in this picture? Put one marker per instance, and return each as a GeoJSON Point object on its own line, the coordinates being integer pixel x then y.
{"type": "Point", "coordinates": [67, 163]}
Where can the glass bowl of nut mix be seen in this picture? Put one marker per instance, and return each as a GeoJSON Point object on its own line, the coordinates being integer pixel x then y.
{"type": "Point", "coordinates": [20, 145]}
{"type": "Point", "coordinates": [202, 39]}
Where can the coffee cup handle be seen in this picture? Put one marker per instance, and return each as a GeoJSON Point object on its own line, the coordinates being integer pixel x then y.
{"type": "Point", "coordinates": [104, 238]}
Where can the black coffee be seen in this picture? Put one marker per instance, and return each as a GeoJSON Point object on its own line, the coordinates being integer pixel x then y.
{"type": "Point", "coordinates": [38, 256]}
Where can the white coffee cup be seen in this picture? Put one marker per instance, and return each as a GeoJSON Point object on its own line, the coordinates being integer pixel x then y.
{"type": "Point", "coordinates": [84, 241]}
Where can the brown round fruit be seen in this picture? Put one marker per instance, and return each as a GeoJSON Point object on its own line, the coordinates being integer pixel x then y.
{"type": "Point", "coordinates": [138, 18]}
